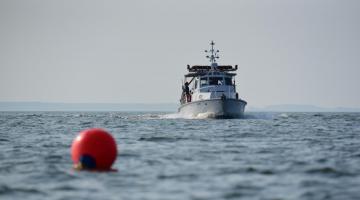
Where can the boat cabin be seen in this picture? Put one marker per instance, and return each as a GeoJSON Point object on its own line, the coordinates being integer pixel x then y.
{"type": "Point", "coordinates": [208, 82]}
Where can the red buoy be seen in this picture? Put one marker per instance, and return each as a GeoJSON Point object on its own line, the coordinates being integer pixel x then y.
{"type": "Point", "coordinates": [93, 149]}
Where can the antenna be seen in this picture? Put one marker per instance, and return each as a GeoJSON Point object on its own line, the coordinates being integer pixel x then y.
{"type": "Point", "coordinates": [212, 53]}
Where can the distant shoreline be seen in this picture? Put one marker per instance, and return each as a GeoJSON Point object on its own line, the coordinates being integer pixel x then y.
{"type": "Point", "coordinates": [46, 106]}
{"type": "Point", "coordinates": [147, 107]}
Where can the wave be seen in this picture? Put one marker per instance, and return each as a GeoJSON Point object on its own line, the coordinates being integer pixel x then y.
{"type": "Point", "coordinates": [259, 115]}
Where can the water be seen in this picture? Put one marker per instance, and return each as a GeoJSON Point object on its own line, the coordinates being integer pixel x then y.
{"type": "Point", "coordinates": [264, 156]}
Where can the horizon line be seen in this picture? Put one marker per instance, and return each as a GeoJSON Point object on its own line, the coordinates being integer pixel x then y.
{"type": "Point", "coordinates": [169, 106]}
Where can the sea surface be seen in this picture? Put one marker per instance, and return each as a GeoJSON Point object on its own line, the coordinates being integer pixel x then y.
{"type": "Point", "coordinates": [164, 156]}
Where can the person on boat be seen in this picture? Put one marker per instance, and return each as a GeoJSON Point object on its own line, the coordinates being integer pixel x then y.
{"type": "Point", "coordinates": [187, 92]}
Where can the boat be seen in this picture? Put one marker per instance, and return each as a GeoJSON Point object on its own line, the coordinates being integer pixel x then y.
{"type": "Point", "coordinates": [210, 90]}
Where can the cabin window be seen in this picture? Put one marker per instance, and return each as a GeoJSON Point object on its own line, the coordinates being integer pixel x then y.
{"type": "Point", "coordinates": [204, 82]}
{"type": "Point", "coordinates": [196, 84]}
{"type": "Point", "coordinates": [216, 81]}
{"type": "Point", "coordinates": [228, 81]}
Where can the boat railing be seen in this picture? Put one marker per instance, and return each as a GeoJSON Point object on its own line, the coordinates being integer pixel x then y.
{"type": "Point", "coordinates": [227, 91]}
{"type": "Point", "coordinates": [218, 94]}
{"type": "Point", "coordinates": [211, 86]}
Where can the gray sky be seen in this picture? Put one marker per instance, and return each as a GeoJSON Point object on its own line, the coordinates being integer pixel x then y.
{"type": "Point", "coordinates": [288, 51]}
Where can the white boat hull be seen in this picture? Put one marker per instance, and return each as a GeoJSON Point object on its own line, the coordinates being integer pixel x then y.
{"type": "Point", "coordinates": [216, 108]}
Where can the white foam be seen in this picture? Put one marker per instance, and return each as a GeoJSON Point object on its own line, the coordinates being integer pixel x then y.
{"type": "Point", "coordinates": [171, 116]}
{"type": "Point", "coordinates": [284, 115]}
{"type": "Point", "coordinates": [207, 115]}
{"type": "Point", "coordinates": [188, 116]}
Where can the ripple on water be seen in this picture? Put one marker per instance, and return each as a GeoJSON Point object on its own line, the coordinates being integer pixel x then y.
{"type": "Point", "coordinates": [328, 171]}
{"type": "Point", "coordinates": [242, 190]}
{"type": "Point", "coordinates": [161, 139]}
{"type": "Point", "coordinates": [8, 190]}
{"type": "Point", "coordinates": [263, 156]}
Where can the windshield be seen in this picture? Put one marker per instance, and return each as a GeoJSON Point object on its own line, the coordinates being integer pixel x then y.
{"type": "Point", "coordinates": [216, 81]}
{"type": "Point", "coordinates": [204, 82]}
{"type": "Point", "coordinates": [228, 81]}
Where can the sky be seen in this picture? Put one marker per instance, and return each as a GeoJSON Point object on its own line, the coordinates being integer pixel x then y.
{"type": "Point", "coordinates": [72, 51]}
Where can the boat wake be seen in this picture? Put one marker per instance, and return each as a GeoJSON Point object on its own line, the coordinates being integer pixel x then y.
{"type": "Point", "coordinates": [211, 115]}
{"type": "Point", "coordinates": [205, 115]}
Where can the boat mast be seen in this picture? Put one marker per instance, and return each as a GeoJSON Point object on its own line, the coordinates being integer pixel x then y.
{"type": "Point", "coordinates": [213, 55]}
